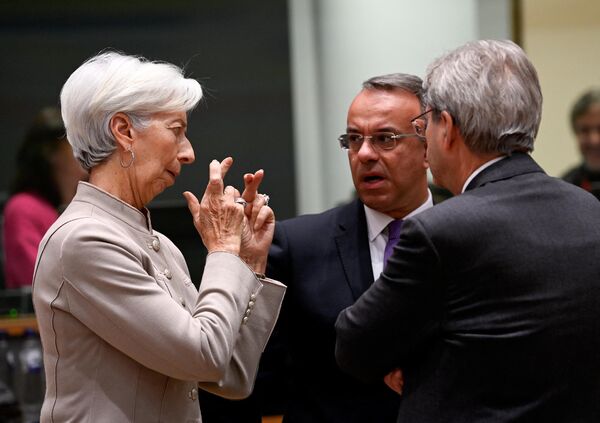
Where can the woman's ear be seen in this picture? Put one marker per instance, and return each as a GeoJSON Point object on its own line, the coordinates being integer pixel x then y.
{"type": "Point", "coordinates": [122, 129]}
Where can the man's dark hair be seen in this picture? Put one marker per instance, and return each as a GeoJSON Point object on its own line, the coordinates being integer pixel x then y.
{"type": "Point", "coordinates": [583, 104]}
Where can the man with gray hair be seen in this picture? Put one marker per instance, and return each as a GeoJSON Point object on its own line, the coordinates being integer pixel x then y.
{"type": "Point", "coordinates": [329, 259]}
{"type": "Point", "coordinates": [490, 302]}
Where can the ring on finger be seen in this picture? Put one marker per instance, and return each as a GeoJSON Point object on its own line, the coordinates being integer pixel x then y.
{"type": "Point", "coordinates": [241, 201]}
{"type": "Point", "coordinates": [266, 199]}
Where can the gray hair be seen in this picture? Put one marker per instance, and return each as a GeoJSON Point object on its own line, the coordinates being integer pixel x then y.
{"type": "Point", "coordinates": [492, 91]}
{"type": "Point", "coordinates": [583, 104]}
{"type": "Point", "coordinates": [113, 82]}
{"type": "Point", "coordinates": [403, 81]}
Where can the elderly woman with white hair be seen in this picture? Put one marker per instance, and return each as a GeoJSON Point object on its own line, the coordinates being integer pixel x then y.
{"type": "Point", "coordinates": [126, 335]}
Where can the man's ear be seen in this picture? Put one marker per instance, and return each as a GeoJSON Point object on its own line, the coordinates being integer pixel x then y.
{"type": "Point", "coordinates": [448, 129]}
{"type": "Point", "coordinates": [122, 129]}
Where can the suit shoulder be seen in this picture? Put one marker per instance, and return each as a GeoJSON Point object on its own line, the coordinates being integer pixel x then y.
{"type": "Point", "coordinates": [332, 213]}
{"type": "Point", "coordinates": [318, 222]}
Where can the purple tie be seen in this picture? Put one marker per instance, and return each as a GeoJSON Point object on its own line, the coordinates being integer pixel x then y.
{"type": "Point", "coordinates": [393, 236]}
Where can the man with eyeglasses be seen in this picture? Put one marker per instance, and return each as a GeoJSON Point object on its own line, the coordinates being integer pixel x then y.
{"type": "Point", "coordinates": [331, 258]}
{"type": "Point", "coordinates": [328, 260]}
{"type": "Point", "coordinates": [490, 302]}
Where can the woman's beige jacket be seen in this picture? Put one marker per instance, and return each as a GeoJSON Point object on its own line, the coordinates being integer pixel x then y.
{"type": "Point", "coordinates": [126, 335]}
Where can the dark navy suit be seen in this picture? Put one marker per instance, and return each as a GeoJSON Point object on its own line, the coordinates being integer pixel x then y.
{"type": "Point", "coordinates": [325, 261]}
{"type": "Point", "coordinates": [490, 304]}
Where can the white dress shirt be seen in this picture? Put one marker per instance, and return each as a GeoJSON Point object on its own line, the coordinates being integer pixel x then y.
{"type": "Point", "coordinates": [377, 231]}
{"type": "Point", "coordinates": [479, 170]}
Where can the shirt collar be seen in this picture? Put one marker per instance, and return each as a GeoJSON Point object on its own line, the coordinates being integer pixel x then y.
{"type": "Point", "coordinates": [479, 170]}
{"type": "Point", "coordinates": [377, 221]}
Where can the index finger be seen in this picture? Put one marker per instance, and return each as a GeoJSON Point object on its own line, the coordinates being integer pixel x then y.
{"type": "Point", "coordinates": [216, 174]}
{"type": "Point", "coordinates": [251, 184]}
{"type": "Point", "coordinates": [225, 165]}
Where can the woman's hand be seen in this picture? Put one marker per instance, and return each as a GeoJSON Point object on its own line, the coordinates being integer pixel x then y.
{"type": "Point", "coordinates": [259, 224]}
{"type": "Point", "coordinates": [217, 218]}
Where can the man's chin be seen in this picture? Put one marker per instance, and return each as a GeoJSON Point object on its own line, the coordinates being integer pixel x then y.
{"type": "Point", "coordinates": [372, 202]}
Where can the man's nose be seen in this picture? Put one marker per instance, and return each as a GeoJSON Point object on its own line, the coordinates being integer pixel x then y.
{"type": "Point", "coordinates": [594, 136]}
{"type": "Point", "coordinates": [367, 151]}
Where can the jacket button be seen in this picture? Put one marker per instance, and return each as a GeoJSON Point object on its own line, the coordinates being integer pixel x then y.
{"type": "Point", "coordinates": [168, 274]}
{"type": "Point", "coordinates": [245, 320]}
{"type": "Point", "coordinates": [155, 245]}
{"type": "Point", "coordinates": [182, 301]}
{"type": "Point", "coordinates": [193, 394]}
{"type": "Point", "coordinates": [252, 297]}
{"type": "Point", "coordinates": [251, 305]}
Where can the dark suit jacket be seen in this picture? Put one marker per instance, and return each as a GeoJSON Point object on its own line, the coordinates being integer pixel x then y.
{"type": "Point", "coordinates": [490, 303]}
{"type": "Point", "coordinates": [324, 260]}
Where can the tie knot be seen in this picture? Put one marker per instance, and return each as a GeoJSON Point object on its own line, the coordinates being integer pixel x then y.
{"type": "Point", "coordinates": [394, 228]}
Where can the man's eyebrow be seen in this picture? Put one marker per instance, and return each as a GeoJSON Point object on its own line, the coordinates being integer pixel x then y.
{"type": "Point", "coordinates": [387, 129]}
{"type": "Point", "coordinates": [379, 129]}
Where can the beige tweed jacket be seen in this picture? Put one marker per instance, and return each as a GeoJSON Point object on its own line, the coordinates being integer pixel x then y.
{"type": "Point", "coordinates": [126, 335]}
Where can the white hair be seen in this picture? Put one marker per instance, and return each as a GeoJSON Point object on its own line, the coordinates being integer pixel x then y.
{"type": "Point", "coordinates": [112, 82]}
{"type": "Point", "coordinates": [492, 91]}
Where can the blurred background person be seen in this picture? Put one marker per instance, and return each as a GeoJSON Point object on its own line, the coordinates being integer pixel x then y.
{"type": "Point", "coordinates": [45, 181]}
{"type": "Point", "coordinates": [126, 335]}
{"type": "Point", "coordinates": [585, 122]}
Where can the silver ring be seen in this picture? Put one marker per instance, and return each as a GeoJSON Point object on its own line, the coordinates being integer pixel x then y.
{"type": "Point", "coordinates": [266, 198]}
{"type": "Point", "coordinates": [241, 201]}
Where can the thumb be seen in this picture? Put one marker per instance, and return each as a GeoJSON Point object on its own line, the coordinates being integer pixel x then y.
{"type": "Point", "coordinates": [192, 203]}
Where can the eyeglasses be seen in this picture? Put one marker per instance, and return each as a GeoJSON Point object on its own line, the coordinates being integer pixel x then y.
{"type": "Point", "coordinates": [380, 140]}
{"type": "Point", "coordinates": [420, 123]}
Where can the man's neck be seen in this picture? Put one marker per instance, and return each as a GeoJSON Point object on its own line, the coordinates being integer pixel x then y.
{"type": "Point", "coordinates": [467, 163]}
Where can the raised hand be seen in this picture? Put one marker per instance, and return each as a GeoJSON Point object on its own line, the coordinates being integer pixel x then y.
{"type": "Point", "coordinates": [259, 224]}
{"type": "Point", "coordinates": [217, 218]}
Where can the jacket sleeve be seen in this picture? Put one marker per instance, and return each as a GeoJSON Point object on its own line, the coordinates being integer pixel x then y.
{"type": "Point", "coordinates": [396, 315]}
{"type": "Point", "coordinates": [239, 381]}
{"type": "Point", "coordinates": [110, 292]}
{"type": "Point", "coordinates": [257, 324]}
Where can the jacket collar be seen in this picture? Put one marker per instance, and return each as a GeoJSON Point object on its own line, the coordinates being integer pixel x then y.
{"type": "Point", "coordinates": [139, 220]}
{"type": "Point", "coordinates": [513, 165]}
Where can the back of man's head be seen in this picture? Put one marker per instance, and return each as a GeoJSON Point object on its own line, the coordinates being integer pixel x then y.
{"type": "Point", "coordinates": [491, 90]}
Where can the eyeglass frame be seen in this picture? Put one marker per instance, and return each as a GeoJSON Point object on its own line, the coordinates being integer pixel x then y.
{"type": "Point", "coordinates": [413, 122]}
{"type": "Point", "coordinates": [394, 136]}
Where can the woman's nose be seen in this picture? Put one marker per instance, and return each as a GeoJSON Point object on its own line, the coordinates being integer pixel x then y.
{"type": "Point", "coordinates": [186, 153]}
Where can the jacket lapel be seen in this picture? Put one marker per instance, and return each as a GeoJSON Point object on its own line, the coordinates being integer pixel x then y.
{"type": "Point", "coordinates": [353, 248]}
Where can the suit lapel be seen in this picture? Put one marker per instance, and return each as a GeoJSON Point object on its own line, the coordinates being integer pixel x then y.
{"type": "Point", "coordinates": [353, 247]}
